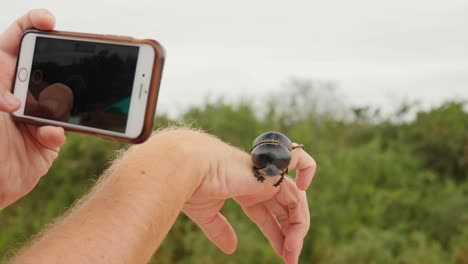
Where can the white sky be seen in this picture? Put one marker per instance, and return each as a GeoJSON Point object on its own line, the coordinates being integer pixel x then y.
{"type": "Point", "coordinates": [379, 52]}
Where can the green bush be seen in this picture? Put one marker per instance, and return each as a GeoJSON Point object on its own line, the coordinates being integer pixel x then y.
{"type": "Point", "coordinates": [385, 191]}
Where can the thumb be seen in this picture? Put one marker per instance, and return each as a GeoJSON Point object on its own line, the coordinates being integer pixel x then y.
{"type": "Point", "coordinates": [219, 231]}
{"type": "Point", "coordinates": [37, 18]}
{"type": "Point", "coordinates": [8, 102]}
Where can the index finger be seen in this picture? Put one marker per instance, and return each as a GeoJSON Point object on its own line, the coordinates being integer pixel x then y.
{"type": "Point", "coordinates": [305, 166]}
{"type": "Point", "coordinates": [296, 229]}
{"type": "Point", "coordinates": [37, 18]}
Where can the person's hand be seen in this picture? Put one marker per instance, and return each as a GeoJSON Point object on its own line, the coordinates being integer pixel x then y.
{"type": "Point", "coordinates": [230, 175]}
{"type": "Point", "coordinates": [26, 151]}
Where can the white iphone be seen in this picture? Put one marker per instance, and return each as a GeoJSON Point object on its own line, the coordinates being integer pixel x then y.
{"type": "Point", "coordinates": [94, 84]}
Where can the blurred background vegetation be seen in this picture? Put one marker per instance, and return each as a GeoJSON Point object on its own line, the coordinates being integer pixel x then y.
{"type": "Point", "coordinates": [390, 188]}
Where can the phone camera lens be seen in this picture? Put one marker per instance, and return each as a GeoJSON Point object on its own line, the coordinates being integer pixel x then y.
{"type": "Point", "coordinates": [37, 76]}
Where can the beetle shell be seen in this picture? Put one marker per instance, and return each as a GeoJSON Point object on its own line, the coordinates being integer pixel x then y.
{"type": "Point", "coordinates": [271, 153]}
{"type": "Point", "coordinates": [273, 136]}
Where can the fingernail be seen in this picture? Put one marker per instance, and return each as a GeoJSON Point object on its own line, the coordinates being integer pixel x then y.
{"type": "Point", "coordinates": [45, 12]}
{"type": "Point", "coordinates": [9, 99]}
{"type": "Point", "coordinates": [48, 15]}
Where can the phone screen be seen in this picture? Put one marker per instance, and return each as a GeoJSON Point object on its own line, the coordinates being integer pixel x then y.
{"type": "Point", "coordinates": [82, 83]}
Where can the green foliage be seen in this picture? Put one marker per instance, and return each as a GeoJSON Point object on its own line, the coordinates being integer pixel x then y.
{"type": "Point", "coordinates": [80, 163]}
{"type": "Point", "coordinates": [385, 191]}
{"type": "Point", "coordinates": [440, 136]}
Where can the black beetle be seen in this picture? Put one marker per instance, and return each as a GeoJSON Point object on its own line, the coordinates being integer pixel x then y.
{"type": "Point", "coordinates": [271, 155]}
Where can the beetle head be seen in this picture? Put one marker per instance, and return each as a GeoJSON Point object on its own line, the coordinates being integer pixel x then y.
{"type": "Point", "coordinates": [274, 154]}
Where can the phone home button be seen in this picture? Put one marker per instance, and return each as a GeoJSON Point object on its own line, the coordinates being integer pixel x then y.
{"type": "Point", "coordinates": [23, 74]}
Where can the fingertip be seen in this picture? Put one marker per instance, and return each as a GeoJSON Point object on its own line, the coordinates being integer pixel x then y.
{"type": "Point", "coordinates": [230, 249]}
{"type": "Point", "coordinates": [303, 182]}
{"type": "Point", "coordinates": [290, 257]}
{"type": "Point", "coordinates": [60, 133]}
{"type": "Point", "coordinates": [306, 168]}
{"type": "Point", "coordinates": [219, 231]}
{"type": "Point", "coordinates": [52, 137]}
{"type": "Point", "coordinates": [9, 103]}
{"type": "Point", "coordinates": [229, 245]}
{"type": "Point", "coordinates": [42, 19]}
{"type": "Point", "coordinates": [291, 253]}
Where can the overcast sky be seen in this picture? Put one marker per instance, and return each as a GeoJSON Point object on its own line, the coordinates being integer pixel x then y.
{"type": "Point", "coordinates": [379, 52]}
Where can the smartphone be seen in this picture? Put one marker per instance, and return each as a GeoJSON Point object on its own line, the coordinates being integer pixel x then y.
{"type": "Point", "coordinates": [100, 85]}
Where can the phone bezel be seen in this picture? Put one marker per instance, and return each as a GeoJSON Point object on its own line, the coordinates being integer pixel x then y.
{"type": "Point", "coordinates": [140, 90]}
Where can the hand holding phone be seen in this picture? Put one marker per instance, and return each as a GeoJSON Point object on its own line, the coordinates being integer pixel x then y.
{"type": "Point", "coordinates": [26, 151]}
{"type": "Point", "coordinates": [94, 84]}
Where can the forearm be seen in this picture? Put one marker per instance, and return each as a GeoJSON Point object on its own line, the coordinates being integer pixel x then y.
{"type": "Point", "coordinates": [131, 209]}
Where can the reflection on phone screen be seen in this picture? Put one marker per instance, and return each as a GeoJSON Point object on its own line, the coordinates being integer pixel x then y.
{"type": "Point", "coordinates": [82, 83]}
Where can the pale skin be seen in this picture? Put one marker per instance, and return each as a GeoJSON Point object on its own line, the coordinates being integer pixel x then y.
{"type": "Point", "coordinates": [26, 151]}
{"type": "Point", "coordinates": [131, 209]}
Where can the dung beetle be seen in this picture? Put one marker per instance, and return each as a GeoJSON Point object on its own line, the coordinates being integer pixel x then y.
{"type": "Point", "coordinates": [271, 155]}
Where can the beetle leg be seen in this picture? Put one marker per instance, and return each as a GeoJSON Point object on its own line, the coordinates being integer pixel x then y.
{"type": "Point", "coordinates": [259, 177]}
{"type": "Point", "coordinates": [295, 146]}
{"type": "Point", "coordinates": [280, 180]}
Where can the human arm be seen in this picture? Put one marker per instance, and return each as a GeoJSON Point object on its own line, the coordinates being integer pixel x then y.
{"type": "Point", "coordinates": [129, 212]}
